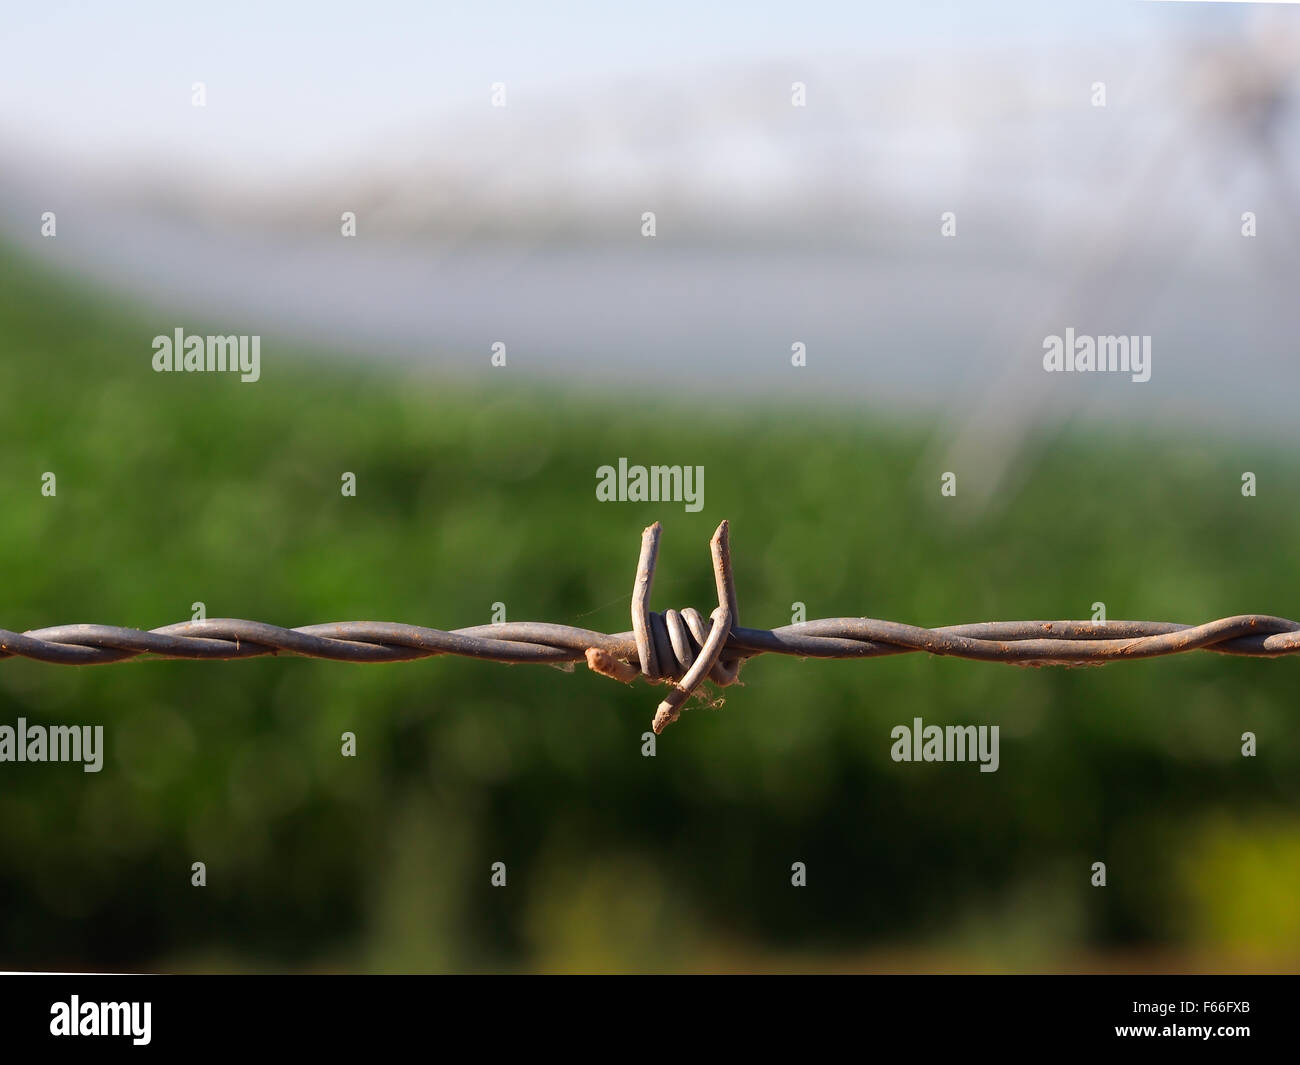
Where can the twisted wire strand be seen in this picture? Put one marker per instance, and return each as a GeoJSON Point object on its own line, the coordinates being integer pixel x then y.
{"type": "Point", "coordinates": [678, 648]}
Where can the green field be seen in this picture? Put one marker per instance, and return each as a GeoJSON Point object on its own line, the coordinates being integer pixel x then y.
{"type": "Point", "coordinates": [174, 489]}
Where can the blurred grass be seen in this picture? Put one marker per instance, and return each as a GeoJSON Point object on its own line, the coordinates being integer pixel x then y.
{"type": "Point", "coordinates": [181, 488]}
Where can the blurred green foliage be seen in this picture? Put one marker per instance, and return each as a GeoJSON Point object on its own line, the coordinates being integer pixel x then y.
{"type": "Point", "coordinates": [177, 488]}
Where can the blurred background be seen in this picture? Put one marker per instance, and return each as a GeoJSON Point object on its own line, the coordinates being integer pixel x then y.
{"type": "Point", "coordinates": [775, 225]}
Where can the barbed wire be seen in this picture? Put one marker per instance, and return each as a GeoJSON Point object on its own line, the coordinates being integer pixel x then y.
{"type": "Point", "coordinates": [678, 648]}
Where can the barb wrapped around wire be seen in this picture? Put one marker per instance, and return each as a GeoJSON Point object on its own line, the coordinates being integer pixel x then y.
{"type": "Point", "coordinates": [664, 645]}
{"type": "Point", "coordinates": [675, 647]}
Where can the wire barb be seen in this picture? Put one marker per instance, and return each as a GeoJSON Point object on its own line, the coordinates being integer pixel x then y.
{"type": "Point", "coordinates": [675, 647]}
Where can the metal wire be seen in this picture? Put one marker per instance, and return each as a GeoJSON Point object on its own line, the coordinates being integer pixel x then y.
{"type": "Point", "coordinates": [674, 647]}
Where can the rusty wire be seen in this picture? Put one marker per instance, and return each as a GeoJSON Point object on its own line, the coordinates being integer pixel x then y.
{"type": "Point", "coordinates": [676, 647]}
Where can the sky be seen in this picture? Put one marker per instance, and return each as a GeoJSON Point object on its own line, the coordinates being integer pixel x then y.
{"type": "Point", "coordinates": [525, 225]}
{"type": "Point", "coordinates": [295, 84]}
